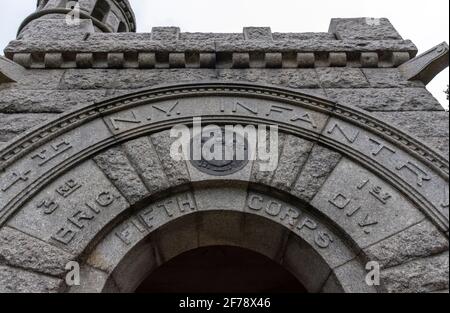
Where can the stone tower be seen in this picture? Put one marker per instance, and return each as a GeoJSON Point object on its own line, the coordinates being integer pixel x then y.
{"type": "Point", "coordinates": [86, 174]}
{"type": "Point", "coordinates": [107, 16]}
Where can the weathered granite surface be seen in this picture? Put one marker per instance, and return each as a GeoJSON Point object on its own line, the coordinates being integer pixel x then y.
{"type": "Point", "coordinates": [52, 69]}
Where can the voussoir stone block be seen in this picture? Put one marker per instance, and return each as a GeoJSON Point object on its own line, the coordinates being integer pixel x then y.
{"type": "Point", "coordinates": [315, 172]}
{"type": "Point", "coordinates": [294, 155]}
{"type": "Point", "coordinates": [420, 276]}
{"type": "Point", "coordinates": [176, 171]}
{"type": "Point", "coordinates": [13, 280]}
{"type": "Point", "coordinates": [144, 157]}
{"type": "Point", "coordinates": [115, 164]}
{"type": "Point", "coordinates": [23, 251]}
{"type": "Point", "coordinates": [417, 242]}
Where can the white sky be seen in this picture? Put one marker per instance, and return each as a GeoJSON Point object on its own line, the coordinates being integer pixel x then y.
{"type": "Point", "coordinates": [426, 23]}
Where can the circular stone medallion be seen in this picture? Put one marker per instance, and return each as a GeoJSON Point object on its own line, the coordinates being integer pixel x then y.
{"type": "Point", "coordinates": [223, 167]}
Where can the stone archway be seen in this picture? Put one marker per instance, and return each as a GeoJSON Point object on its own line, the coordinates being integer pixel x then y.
{"type": "Point", "coordinates": [300, 242]}
{"type": "Point", "coordinates": [345, 181]}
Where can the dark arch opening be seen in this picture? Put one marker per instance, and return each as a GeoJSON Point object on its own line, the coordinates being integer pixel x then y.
{"type": "Point", "coordinates": [221, 269]}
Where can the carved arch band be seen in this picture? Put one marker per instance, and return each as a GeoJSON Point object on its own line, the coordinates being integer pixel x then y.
{"type": "Point", "coordinates": [99, 184]}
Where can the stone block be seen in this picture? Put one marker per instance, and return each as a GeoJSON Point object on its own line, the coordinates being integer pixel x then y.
{"type": "Point", "coordinates": [47, 101]}
{"type": "Point", "coordinates": [295, 153]}
{"type": "Point", "coordinates": [388, 78]}
{"type": "Point", "coordinates": [342, 78]}
{"type": "Point", "coordinates": [349, 198]}
{"type": "Point", "coordinates": [117, 167]}
{"type": "Point", "coordinates": [298, 79]}
{"type": "Point", "coordinates": [12, 125]}
{"type": "Point", "coordinates": [315, 172]}
{"type": "Point", "coordinates": [143, 156]}
{"type": "Point", "coordinates": [176, 171]}
{"type": "Point", "coordinates": [363, 29]}
{"type": "Point", "coordinates": [13, 280]}
{"type": "Point", "coordinates": [420, 276]}
{"type": "Point", "coordinates": [419, 241]}
{"type": "Point", "coordinates": [20, 250]}
{"type": "Point", "coordinates": [386, 99]}
{"type": "Point", "coordinates": [420, 124]}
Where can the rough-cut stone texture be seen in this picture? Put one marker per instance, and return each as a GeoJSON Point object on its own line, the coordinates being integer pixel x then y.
{"type": "Point", "coordinates": [15, 280]}
{"type": "Point", "coordinates": [10, 72]}
{"type": "Point", "coordinates": [143, 155]}
{"type": "Point", "coordinates": [420, 124]}
{"type": "Point", "coordinates": [424, 275]}
{"type": "Point", "coordinates": [20, 250]}
{"type": "Point", "coordinates": [388, 78]}
{"type": "Point", "coordinates": [441, 144]}
{"type": "Point", "coordinates": [89, 79]}
{"type": "Point", "coordinates": [386, 99]}
{"type": "Point", "coordinates": [265, 177]}
{"type": "Point", "coordinates": [305, 78]}
{"type": "Point", "coordinates": [46, 101]}
{"type": "Point", "coordinates": [295, 153]}
{"type": "Point", "coordinates": [316, 170]}
{"type": "Point", "coordinates": [363, 28]}
{"type": "Point", "coordinates": [134, 79]}
{"type": "Point", "coordinates": [122, 174]}
{"type": "Point", "coordinates": [176, 171]}
{"type": "Point", "coordinates": [430, 127]}
{"type": "Point", "coordinates": [12, 125]}
{"type": "Point", "coordinates": [419, 241]}
{"type": "Point", "coordinates": [333, 65]}
{"type": "Point", "coordinates": [36, 80]}
{"type": "Point", "coordinates": [342, 78]}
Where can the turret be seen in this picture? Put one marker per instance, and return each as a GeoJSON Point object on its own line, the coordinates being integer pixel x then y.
{"type": "Point", "coordinates": [50, 17]}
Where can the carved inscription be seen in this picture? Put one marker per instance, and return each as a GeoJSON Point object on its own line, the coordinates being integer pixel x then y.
{"type": "Point", "coordinates": [291, 217]}
{"type": "Point", "coordinates": [413, 168]}
{"type": "Point", "coordinates": [445, 200]}
{"type": "Point", "coordinates": [52, 152]}
{"type": "Point", "coordinates": [351, 137]}
{"type": "Point", "coordinates": [135, 118]}
{"type": "Point", "coordinates": [15, 178]}
{"type": "Point", "coordinates": [83, 216]}
{"type": "Point", "coordinates": [381, 152]}
{"type": "Point", "coordinates": [68, 188]}
{"type": "Point", "coordinates": [50, 204]}
{"type": "Point", "coordinates": [138, 118]}
{"type": "Point", "coordinates": [360, 214]}
{"type": "Point", "coordinates": [150, 218]}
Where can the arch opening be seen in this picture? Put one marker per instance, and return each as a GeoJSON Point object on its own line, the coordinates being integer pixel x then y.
{"type": "Point", "coordinates": [221, 269]}
{"type": "Point", "coordinates": [216, 251]}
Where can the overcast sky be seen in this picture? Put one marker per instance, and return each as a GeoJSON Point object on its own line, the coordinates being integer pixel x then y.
{"type": "Point", "coordinates": [426, 23]}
